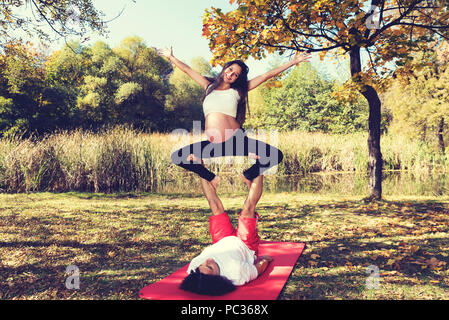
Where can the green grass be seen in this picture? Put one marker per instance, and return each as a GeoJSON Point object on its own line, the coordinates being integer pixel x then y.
{"type": "Point", "coordinates": [122, 242]}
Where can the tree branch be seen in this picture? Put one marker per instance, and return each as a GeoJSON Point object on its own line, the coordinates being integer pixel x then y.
{"type": "Point", "coordinates": [422, 26]}
{"type": "Point", "coordinates": [370, 40]}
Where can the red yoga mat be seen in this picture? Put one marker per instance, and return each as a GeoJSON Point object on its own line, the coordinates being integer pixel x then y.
{"type": "Point", "coordinates": [266, 287]}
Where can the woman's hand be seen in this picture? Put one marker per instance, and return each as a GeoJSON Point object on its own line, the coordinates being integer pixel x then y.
{"type": "Point", "coordinates": [197, 77]}
{"type": "Point", "coordinates": [301, 57]}
{"type": "Point", "coordinates": [166, 52]}
{"type": "Point", "coordinates": [298, 58]}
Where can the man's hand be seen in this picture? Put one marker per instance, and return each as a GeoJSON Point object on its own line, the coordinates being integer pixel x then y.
{"type": "Point", "coordinates": [268, 258]}
{"type": "Point", "coordinates": [262, 263]}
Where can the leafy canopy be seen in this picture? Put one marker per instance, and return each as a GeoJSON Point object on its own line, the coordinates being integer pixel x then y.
{"type": "Point", "coordinates": [258, 27]}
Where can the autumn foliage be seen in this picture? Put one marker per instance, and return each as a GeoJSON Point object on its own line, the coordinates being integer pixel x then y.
{"type": "Point", "coordinates": [329, 27]}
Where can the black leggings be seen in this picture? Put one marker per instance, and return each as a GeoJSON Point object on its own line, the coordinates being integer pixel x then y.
{"type": "Point", "coordinates": [237, 145]}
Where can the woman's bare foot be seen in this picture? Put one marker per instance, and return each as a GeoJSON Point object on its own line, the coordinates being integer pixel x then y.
{"type": "Point", "coordinates": [248, 182]}
{"type": "Point", "coordinates": [215, 181]}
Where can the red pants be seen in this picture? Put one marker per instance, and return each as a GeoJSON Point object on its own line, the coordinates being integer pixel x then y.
{"type": "Point", "coordinates": [220, 226]}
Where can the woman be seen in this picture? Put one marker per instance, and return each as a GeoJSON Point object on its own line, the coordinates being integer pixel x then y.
{"type": "Point", "coordinates": [224, 107]}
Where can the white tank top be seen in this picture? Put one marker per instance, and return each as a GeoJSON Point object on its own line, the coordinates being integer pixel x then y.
{"type": "Point", "coordinates": [223, 101]}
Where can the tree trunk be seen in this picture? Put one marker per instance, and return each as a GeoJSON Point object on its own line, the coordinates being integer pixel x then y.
{"type": "Point", "coordinates": [375, 156]}
{"type": "Point", "coordinates": [440, 136]}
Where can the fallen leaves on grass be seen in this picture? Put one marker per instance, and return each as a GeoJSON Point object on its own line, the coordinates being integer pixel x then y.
{"type": "Point", "coordinates": [143, 245]}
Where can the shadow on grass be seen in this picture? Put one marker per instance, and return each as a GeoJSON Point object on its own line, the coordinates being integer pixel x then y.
{"type": "Point", "coordinates": [406, 266]}
{"type": "Point", "coordinates": [406, 239]}
{"type": "Point", "coordinates": [113, 268]}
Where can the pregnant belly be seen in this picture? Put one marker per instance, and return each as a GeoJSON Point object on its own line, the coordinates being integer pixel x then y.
{"type": "Point", "coordinates": [220, 127]}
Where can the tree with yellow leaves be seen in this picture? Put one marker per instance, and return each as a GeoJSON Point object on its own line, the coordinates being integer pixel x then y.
{"type": "Point", "coordinates": [388, 30]}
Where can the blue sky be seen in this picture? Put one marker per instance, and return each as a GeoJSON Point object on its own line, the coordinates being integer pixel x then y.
{"type": "Point", "coordinates": [161, 23]}
{"type": "Point", "coordinates": [176, 23]}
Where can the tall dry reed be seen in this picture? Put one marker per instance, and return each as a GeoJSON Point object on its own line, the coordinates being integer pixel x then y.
{"type": "Point", "coordinates": [121, 159]}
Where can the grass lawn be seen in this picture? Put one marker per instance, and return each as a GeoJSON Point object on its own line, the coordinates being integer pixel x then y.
{"type": "Point", "coordinates": [122, 242]}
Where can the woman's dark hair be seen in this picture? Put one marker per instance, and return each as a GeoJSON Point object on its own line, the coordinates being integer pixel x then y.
{"type": "Point", "coordinates": [211, 285]}
{"type": "Point", "coordinates": [241, 85]}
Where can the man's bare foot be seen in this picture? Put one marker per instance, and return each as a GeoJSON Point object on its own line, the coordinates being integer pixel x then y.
{"type": "Point", "coordinates": [215, 181]}
{"type": "Point", "coordinates": [194, 159]}
{"type": "Point", "coordinates": [247, 182]}
{"type": "Point", "coordinates": [253, 156]}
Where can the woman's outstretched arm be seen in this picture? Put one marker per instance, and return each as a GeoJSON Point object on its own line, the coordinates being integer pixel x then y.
{"type": "Point", "coordinates": [197, 77]}
{"type": "Point", "coordinates": [298, 58]}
